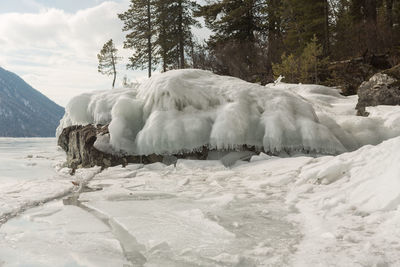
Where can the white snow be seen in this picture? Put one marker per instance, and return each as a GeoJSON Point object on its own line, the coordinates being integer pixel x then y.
{"type": "Point", "coordinates": [349, 208]}
{"type": "Point", "coordinates": [299, 211]}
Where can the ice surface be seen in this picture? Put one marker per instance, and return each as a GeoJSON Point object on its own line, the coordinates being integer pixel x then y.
{"type": "Point", "coordinates": [57, 235]}
{"type": "Point", "coordinates": [297, 211]}
{"type": "Point", "coordinates": [27, 174]}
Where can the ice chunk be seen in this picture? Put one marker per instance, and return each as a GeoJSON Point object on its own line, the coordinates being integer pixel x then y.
{"type": "Point", "coordinates": [126, 123]}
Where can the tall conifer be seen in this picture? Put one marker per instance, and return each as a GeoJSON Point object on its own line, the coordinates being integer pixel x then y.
{"type": "Point", "coordinates": [139, 23]}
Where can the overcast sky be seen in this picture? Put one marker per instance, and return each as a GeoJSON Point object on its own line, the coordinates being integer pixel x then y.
{"type": "Point", "coordinates": [52, 44]}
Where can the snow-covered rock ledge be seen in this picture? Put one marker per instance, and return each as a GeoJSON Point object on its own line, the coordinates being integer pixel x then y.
{"type": "Point", "coordinates": [78, 143]}
{"type": "Point", "coordinates": [186, 111]}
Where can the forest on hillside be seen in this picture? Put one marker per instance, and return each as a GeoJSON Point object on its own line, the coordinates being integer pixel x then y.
{"type": "Point", "coordinates": [258, 40]}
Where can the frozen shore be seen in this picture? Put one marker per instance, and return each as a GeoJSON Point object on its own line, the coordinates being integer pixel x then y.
{"type": "Point", "coordinates": [298, 211]}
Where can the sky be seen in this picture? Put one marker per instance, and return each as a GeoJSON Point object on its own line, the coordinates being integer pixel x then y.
{"type": "Point", "coordinates": [53, 44]}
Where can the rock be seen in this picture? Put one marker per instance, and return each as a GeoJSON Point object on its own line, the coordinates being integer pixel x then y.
{"type": "Point", "coordinates": [383, 88]}
{"type": "Point", "coordinates": [232, 157]}
{"type": "Point", "coordinates": [78, 143]}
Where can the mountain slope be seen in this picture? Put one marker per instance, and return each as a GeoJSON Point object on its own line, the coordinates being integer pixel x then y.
{"type": "Point", "coordinates": [25, 112]}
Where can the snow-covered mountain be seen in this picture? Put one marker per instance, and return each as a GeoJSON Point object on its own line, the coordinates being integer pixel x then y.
{"type": "Point", "coordinates": [25, 112]}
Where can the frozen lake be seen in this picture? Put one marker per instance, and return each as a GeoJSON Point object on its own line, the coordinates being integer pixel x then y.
{"type": "Point", "coordinates": [27, 158]}
{"type": "Point", "coordinates": [198, 213]}
{"type": "Point", "coordinates": [28, 175]}
{"type": "Point", "coordinates": [268, 212]}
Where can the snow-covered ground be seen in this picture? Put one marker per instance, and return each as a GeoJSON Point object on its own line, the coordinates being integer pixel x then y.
{"type": "Point", "coordinates": [299, 211]}
{"type": "Point", "coordinates": [296, 210]}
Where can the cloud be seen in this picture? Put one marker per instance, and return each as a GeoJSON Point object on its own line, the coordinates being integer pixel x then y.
{"type": "Point", "coordinates": [55, 51]}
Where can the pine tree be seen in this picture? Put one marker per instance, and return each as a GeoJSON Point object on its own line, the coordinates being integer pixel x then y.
{"type": "Point", "coordinates": [273, 11]}
{"type": "Point", "coordinates": [139, 22]}
{"type": "Point", "coordinates": [164, 42]}
{"type": "Point", "coordinates": [311, 62]}
{"type": "Point", "coordinates": [344, 41]}
{"type": "Point", "coordinates": [305, 68]}
{"type": "Point", "coordinates": [289, 68]}
{"type": "Point", "coordinates": [303, 19]}
{"type": "Point", "coordinates": [237, 42]}
{"type": "Point", "coordinates": [174, 23]}
{"type": "Point", "coordinates": [233, 19]}
{"type": "Point", "coordinates": [108, 60]}
{"type": "Point", "coordinates": [184, 22]}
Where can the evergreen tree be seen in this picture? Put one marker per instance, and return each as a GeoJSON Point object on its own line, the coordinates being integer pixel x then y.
{"type": "Point", "coordinates": [165, 31]}
{"type": "Point", "coordinates": [139, 22]}
{"type": "Point", "coordinates": [365, 27]}
{"type": "Point", "coordinates": [311, 62]}
{"type": "Point", "coordinates": [345, 41]}
{"type": "Point", "coordinates": [239, 32]}
{"type": "Point", "coordinates": [234, 19]}
{"type": "Point", "coordinates": [304, 19]}
{"type": "Point", "coordinates": [108, 60]}
{"type": "Point", "coordinates": [174, 23]}
{"type": "Point", "coordinates": [273, 11]}
{"type": "Point", "coordinates": [253, 38]}
{"type": "Point", "coordinates": [288, 68]}
{"type": "Point", "coordinates": [305, 68]}
{"type": "Point", "coordinates": [184, 21]}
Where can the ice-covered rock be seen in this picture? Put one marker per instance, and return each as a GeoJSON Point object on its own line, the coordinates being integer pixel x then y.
{"type": "Point", "coordinates": [88, 146]}
{"type": "Point", "coordinates": [192, 111]}
{"type": "Point", "coordinates": [185, 110]}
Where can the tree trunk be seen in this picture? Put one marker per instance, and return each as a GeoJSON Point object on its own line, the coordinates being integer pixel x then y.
{"type": "Point", "coordinates": [164, 48]}
{"type": "Point", "coordinates": [149, 36]}
{"type": "Point", "coordinates": [274, 34]}
{"type": "Point", "coordinates": [389, 13]}
{"type": "Point", "coordinates": [326, 47]}
{"type": "Point", "coordinates": [181, 37]}
{"type": "Point", "coordinates": [194, 63]}
{"type": "Point", "coordinates": [114, 70]}
{"type": "Point", "coordinates": [371, 25]}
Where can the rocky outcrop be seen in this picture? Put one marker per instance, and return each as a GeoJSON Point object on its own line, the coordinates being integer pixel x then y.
{"type": "Point", "coordinates": [78, 143]}
{"type": "Point", "coordinates": [383, 88]}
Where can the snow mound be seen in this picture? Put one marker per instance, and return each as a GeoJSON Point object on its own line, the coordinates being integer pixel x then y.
{"type": "Point", "coordinates": [367, 179]}
{"type": "Point", "coordinates": [94, 107]}
{"type": "Point", "coordinates": [183, 110]}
